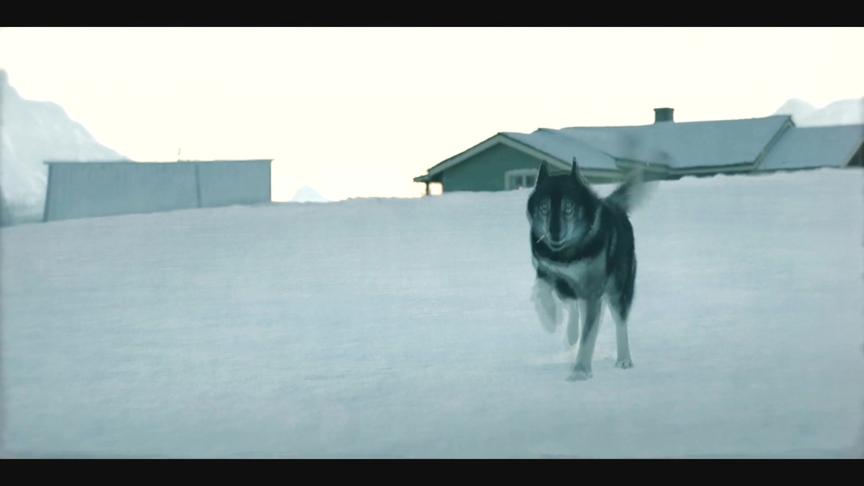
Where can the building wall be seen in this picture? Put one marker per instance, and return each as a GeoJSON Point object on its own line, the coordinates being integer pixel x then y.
{"type": "Point", "coordinates": [857, 160]}
{"type": "Point", "coordinates": [485, 171]}
{"type": "Point", "coordinates": [101, 189]}
{"type": "Point", "coordinates": [226, 183]}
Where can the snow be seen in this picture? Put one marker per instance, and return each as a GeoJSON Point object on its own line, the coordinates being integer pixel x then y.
{"type": "Point", "coordinates": [403, 328]}
{"type": "Point", "coordinates": [34, 132]}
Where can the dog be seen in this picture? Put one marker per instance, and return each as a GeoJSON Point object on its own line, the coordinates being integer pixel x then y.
{"type": "Point", "coordinates": [583, 251]}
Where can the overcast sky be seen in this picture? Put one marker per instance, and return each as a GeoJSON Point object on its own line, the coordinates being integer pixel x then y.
{"type": "Point", "coordinates": [356, 112]}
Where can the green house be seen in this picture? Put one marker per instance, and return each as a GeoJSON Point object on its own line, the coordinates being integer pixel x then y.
{"type": "Point", "coordinates": [510, 161]}
{"type": "Point", "coordinates": [664, 150]}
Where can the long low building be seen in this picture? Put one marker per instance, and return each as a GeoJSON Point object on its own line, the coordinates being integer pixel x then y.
{"type": "Point", "coordinates": [86, 189]}
{"type": "Point", "coordinates": [665, 150]}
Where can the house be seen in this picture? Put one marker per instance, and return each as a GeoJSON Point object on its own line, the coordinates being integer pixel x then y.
{"type": "Point", "coordinates": [665, 150]}
{"type": "Point", "coordinates": [85, 189]}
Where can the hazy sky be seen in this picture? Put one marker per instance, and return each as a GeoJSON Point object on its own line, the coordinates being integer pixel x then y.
{"type": "Point", "coordinates": [358, 112]}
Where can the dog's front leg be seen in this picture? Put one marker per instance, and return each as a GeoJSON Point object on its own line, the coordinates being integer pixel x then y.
{"type": "Point", "coordinates": [573, 322]}
{"type": "Point", "coordinates": [590, 327]}
{"type": "Point", "coordinates": [545, 305]}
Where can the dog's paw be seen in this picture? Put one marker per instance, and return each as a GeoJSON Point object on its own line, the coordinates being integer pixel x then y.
{"type": "Point", "coordinates": [548, 316]}
{"type": "Point", "coordinates": [624, 363]}
{"type": "Point", "coordinates": [549, 324]}
{"type": "Point", "coordinates": [545, 305]}
{"type": "Point", "coordinates": [579, 374]}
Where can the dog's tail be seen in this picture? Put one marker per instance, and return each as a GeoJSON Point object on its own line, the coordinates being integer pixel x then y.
{"type": "Point", "coordinates": [632, 193]}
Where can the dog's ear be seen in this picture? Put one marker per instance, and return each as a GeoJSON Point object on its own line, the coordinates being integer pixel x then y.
{"type": "Point", "coordinates": [542, 173]}
{"type": "Point", "coordinates": [575, 173]}
{"type": "Point", "coordinates": [574, 170]}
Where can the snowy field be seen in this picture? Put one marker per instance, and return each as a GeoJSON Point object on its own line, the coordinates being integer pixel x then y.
{"type": "Point", "coordinates": [403, 328]}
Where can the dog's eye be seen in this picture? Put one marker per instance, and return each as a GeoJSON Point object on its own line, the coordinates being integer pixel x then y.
{"type": "Point", "coordinates": [544, 207]}
{"type": "Point", "coordinates": [568, 208]}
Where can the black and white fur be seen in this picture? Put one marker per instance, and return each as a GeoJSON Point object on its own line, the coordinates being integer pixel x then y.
{"type": "Point", "coordinates": [584, 251]}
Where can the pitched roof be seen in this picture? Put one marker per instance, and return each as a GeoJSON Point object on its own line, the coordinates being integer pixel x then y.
{"type": "Point", "coordinates": [767, 143]}
{"type": "Point", "coordinates": [684, 145]}
{"type": "Point", "coordinates": [564, 147]}
{"type": "Point", "coordinates": [555, 148]}
{"type": "Point", "coordinates": [802, 147]}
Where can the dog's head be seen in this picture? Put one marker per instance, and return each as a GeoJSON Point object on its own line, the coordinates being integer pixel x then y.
{"type": "Point", "coordinates": [562, 209]}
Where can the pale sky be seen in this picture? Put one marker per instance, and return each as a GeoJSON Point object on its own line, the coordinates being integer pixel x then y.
{"type": "Point", "coordinates": [357, 112]}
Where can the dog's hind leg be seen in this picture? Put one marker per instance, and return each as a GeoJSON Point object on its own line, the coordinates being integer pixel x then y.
{"type": "Point", "coordinates": [545, 304]}
{"type": "Point", "coordinates": [620, 299]}
{"type": "Point", "coordinates": [624, 360]}
{"type": "Point", "coordinates": [590, 327]}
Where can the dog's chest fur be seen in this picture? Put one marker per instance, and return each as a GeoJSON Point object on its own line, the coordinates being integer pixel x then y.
{"type": "Point", "coordinates": [583, 278]}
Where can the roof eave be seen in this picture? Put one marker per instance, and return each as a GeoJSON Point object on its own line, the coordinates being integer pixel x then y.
{"type": "Point", "coordinates": [499, 137]}
{"type": "Point", "coordinates": [427, 178]}
{"type": "Point", "coordinates": [706, 169]}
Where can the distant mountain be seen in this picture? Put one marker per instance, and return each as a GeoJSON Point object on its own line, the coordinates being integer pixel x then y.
{"type": "Point", "coordinates": [33, 132]}
{"type": "Point", "coordinates": [843, 112]}
{"type": "Point", "coordinates": [307, 194]}
{"type": "Point", "coordinates": [795, 107]}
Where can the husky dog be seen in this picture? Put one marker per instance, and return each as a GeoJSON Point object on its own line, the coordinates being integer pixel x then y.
{"type": "Point", "coordinates": [583, 250]}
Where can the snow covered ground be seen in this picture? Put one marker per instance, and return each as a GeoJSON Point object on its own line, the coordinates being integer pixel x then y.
{"type": "Point", "coordinates": [403, 328]}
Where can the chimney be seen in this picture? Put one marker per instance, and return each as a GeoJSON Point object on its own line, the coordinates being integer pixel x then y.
{"type": "Point", "coordinates": [663, 115]}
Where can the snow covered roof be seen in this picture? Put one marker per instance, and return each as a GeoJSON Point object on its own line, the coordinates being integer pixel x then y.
{"type": "Point", "coordinates": [771, 142]}
{"type": "Point", "coordinates": [802, 147]}
{"type": "Point", "coordinates": [688, 144]}
{"type": "Point", "coordinates": [564, 147]}
{"type": "Point", "coordinates": [554, 147]}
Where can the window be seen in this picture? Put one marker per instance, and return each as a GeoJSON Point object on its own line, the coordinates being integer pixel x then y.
{"type": "Point", "coordinates": [514, 179]}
